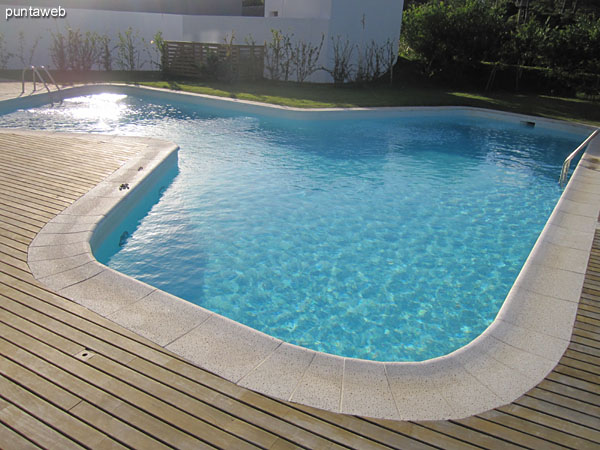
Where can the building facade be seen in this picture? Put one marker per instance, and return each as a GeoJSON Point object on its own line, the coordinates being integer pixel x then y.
{"type": "Point", "coordinates": [359, 24]}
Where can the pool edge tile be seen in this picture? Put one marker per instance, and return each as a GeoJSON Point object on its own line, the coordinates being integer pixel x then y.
{"type": "Point", "coordinates": [225, 347]}
{"type": "Point", "coordinates": [280, 373]}
{"type": "Point", "coordinates": [366, 390]}
{"type": "Point", "coordinates": [321, 383]}
{"type": "Point", "coordinates": [160, 317]}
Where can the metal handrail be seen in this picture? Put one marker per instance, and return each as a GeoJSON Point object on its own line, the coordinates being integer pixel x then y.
{"type": "Point", "coordinates": [565, 168]}
{"type": "Point", "coordinates": [35, 72]}
{"type": "Point", "coordinates": [23, 80]}
{"type": "Point", "coordinates": [51, 77]}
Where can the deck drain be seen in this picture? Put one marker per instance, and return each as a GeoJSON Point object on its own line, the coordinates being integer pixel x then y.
{"type": "Point", "coordinates": [84, 355]}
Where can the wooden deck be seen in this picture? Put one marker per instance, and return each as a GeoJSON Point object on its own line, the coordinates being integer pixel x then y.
{"type": "Point", "coordinates": [70, 378]}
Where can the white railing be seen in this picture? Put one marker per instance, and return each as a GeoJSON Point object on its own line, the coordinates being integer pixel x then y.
{"type": "Point", "coordinates": [565, 168]}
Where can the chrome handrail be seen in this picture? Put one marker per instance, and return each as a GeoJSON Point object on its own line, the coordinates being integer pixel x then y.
{"type": "Point", "coordinates": [51, 77]}
{"type": "Point", "coordinates": [565, 168]}
{"type": "Point", "coordinates": [23, 79]}
{"type": "Point", "coordinates": [35, 73]}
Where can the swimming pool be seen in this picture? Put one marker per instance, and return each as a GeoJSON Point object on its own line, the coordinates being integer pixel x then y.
{"type": "Point", "coordinates": [522, 345]}
{"type": "Point", "coordinates": [394, 238]}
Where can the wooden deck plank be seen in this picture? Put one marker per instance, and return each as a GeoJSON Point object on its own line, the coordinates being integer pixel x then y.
{"type": "Point", "coordinates": [428, 433]}
{"type": "Point", "coordinates": [584, 349]}
{"type": "Point", "coordinates": [28, 209]}
{"type": "Point", "coordinates": [230, 405]}
{"type": "Point", "coordinates": [192, 406]}
{"type": "Point", "coordinates": [552, 408]}
{"type": "Point", "coordinates": [131, 404]}
{"type": "Point", "coordinates": [63, 331]}
{"type": "Point", "coordinates": [98, 335]}
{"type": "Point", "coordinates": [38, 434]}
{"type": "Point", "coordinates": [581, 360]}
{"type": "Point", "coordinates": [38, 181]}
{"type": "Point", "coordinates": [531, 434]}
{"type": "Point", "coordinates": [15, 258]}
{"type": "Point", "coordinates": [560, 390]}
{"type": "Point", "coordinates": [55, 169]}
{"type": "Point", "coordinates": [32, 196]}
{"type": "Point", "coordinates": [59, 351]}
{"type": "Point", "coordinates": [16, 264]}
{"type": "Point", "coordinates": [483, 423]}
{"type": "Point", "coordinates": [16, 232]}
{"type": "Point", "coordinates": [99, 166]}
{"type": "Point", "coordinates": [53, 305]}
{"type": "Point", "coordinates": [32, 204]}
{"type": "Point", "coordinates": [574, 404]}
{"type": "Point", "coordinates": [76, 430]}
{"type": "Point", "coordinates": [587, 333]}
{"type": "Point", "coordinates": [12, 243]}
{"type": "Point", "coordinates": [573, 372]}
{"type": "Point", "coordinates": [112, 426]}
{"type": "Point", "coordinates": [36, 192]}
{"type": "Point", "coordinates": [369, 430]}
{"type": "Point", "coordinates": [9, 273]}
{"type": "Point", "coordinates": [543, 424]}
{"type": "Point", "coordinates": [573, 382]}
{"type": "Point", "coordinates": [34, 383]}
{"type": "Point", "coordinates": [588, 305]}
{"type": "Point", "coordinates": [102, 400]}
{"type": "Point", "coordinates": [19, 221]}
{"type": "Point", "coordinates": [64, 400]}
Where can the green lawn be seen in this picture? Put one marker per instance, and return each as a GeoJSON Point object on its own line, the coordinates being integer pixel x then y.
{"type": "Point", "coordinates": [324, 96]}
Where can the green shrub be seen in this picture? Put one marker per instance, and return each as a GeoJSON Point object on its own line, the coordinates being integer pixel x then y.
{"type": "Point", "coordinates": [446, 35]}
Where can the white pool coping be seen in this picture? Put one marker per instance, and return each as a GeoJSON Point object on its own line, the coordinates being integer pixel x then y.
{"type": "Point", "coordinates": [514, 354]}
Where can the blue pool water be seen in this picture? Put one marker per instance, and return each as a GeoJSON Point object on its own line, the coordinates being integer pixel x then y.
{"type": "Point", "coordinates": [391, 239]}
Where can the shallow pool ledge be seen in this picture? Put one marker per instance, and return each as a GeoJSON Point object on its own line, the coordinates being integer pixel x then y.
{"type": "Point", "coordinates": [516, 352]}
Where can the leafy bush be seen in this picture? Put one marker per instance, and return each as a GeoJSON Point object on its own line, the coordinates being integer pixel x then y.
{"type": "Point", "coordinates": [454, 33]}
{"type": "Point", "coordinates": [278, 54]}
{"type": "Point", "coordinates": [304, 57]}
{"type": "Point", "coordinates": [58, 51]}
{"type": "Point", "coordinates": [105, 57]}
{"type": "Point", "coordinates": [161, 47]}
{"type": "Point", "coordinates": [341, 71]}
{"type": "Point", "coordinates": [82, 49]}
{"type": "Point", "coordinates": [575, 47]}
{"type": "Point", "coordinates": [129, 50]}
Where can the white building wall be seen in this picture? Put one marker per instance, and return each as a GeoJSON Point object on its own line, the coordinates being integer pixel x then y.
{"type": "Point", "coordinates": [219, 29]}
{"type": "Point", "coordinates": [307, 20]}
{"type": "Point", "coordinates": [295, 9]}
{"type": "Point", "coordinates": [382, 19]}
{"type": "Point", "coordinates": [364, 23]}
{"type": "Point", "coordinates": [102, 22]}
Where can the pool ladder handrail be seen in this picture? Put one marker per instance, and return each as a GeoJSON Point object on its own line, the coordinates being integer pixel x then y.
{"type": "Point", "coordinates": [565, 168]}
{"type": "Point", "coordinates": [35, 72]}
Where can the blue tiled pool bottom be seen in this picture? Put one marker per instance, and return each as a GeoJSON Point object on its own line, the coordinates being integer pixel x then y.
{"type": "Point", "coordinates": [384, 239]}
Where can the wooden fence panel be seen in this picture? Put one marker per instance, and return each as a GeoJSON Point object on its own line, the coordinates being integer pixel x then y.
{"type": "Point", "coordinates": [198, 60]}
